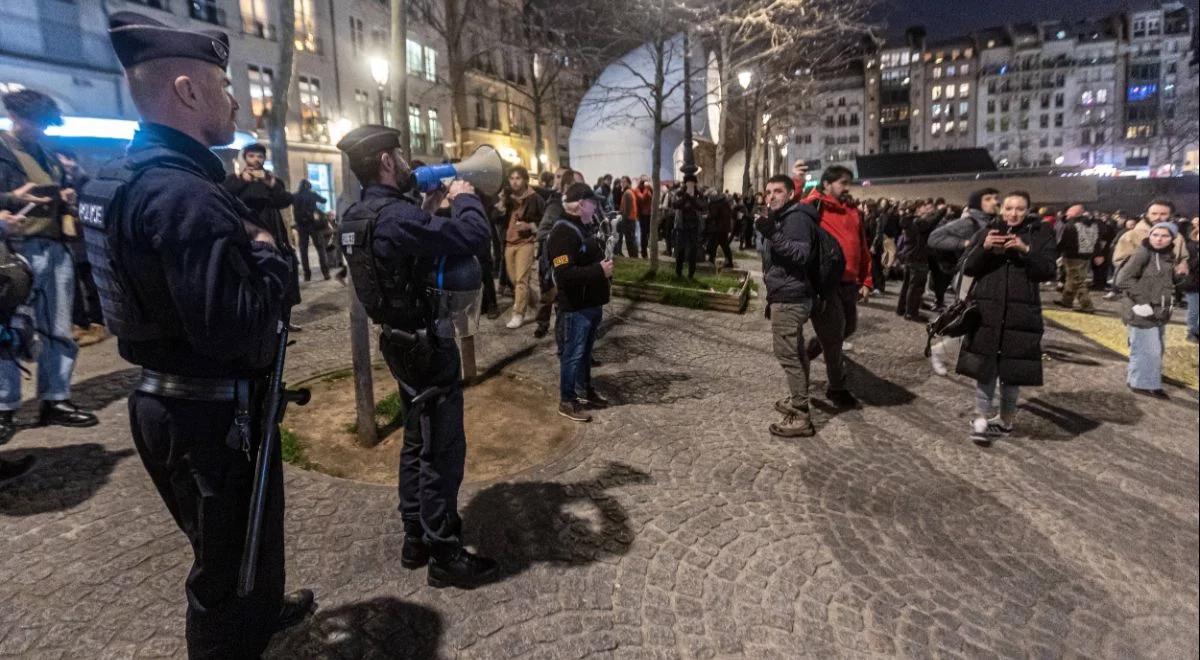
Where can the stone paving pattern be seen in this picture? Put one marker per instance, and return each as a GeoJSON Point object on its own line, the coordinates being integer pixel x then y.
{"type": "Point", "coordinates": [676, 526]}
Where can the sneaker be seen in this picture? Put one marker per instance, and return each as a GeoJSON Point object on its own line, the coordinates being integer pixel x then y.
{"type": "Point", "coordinates": [841, 398]}
{"type": "Point", "coordinates": [979, 431]}
{"type": "Point", "coordinates": [515, 322]}
{"type": "Point", "coordinates": [847, 347]}
{"type": "Point", "coordinates": [794, 425]}
{"type": "Point", "coordinates": [937, 359]}
{"type": "Point", "coordinates": [996, 426]}
{"type": "Point", "coordinates": [573, 411]}
{"type": "Point", "coordinates": [593, 400]}
{"type": "Point", "coordinates": [1112, 295]}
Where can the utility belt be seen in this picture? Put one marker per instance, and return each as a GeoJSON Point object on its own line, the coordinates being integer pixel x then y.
{"type": "Point", "coordinates": [196, 388]}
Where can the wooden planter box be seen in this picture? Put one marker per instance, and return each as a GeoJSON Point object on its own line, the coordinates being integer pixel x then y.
{"type": "Point", "coordinates": [734, 303]}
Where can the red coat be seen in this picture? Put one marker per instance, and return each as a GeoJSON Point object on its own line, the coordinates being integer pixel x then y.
{"type": "Point", "coordinates": [645, 205]}
{"type": "Point", "coordinates": [845, 224]}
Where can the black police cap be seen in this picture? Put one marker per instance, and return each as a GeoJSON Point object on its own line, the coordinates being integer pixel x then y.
{"type": "Point", "coordinates": [137, 38]}
{"type": "Point", "coordinates": [366, 141]}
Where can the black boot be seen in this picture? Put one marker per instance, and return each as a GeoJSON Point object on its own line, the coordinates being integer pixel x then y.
{"type": "Point", "coordinates": [296, 607]}
{"type": "Point", "coordinates": [460, 568]}
{"type": "Point", "coordinates": [8, 426]}
{"type": "Point", "coordinates": [415, 552]}
{"type": "Point", "coordinates": [65, 413]}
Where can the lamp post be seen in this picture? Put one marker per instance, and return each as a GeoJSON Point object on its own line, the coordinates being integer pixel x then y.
{"type": "Point", "coordinates": [689, 157]}
{"type": "Point", "coordinates": [766, 149]}
{"type": "Point", "coordinates": [379, 72]}
{"type": "Point", "coordinates": [744, 79]}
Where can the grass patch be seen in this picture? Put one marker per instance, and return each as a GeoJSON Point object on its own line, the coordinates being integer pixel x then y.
{"type": "Point", "coordinates": [291, 449]}
{"type": "Point", "coordinates": [636, 271]}
{"type": "Point", "coordinates": [387, 411]}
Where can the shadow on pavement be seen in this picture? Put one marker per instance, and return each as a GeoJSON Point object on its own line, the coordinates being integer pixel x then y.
{"type": "Point", "coordinates": [875, 390]}
{"type": "Point", "coordinates": [62, 478]}
{"type": "Point", "coordinates": [376, 628]}
{"type": "Point", "coordinates": [645, 387]}
{"type": "Point", "coordinates": [1074, 413]}
{"type": "Point", "coordinates": [574, 523]}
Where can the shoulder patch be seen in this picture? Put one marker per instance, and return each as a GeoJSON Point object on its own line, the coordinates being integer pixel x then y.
{"type": "Point", "coordinates": [561, 260]}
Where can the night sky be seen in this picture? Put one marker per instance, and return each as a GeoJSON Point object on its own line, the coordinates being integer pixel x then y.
{"type": "Point", "coordinates": [950, 18]}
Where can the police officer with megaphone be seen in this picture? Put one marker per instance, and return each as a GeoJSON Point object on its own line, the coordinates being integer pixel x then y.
{"type": "Point", "coordinates": [417, 277]}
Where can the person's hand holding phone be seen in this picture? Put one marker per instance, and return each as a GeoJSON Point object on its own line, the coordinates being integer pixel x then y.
{"type": "Point", "coordinates": [28, 195]}
{"type": "Point", "coordinates": [995, 241]}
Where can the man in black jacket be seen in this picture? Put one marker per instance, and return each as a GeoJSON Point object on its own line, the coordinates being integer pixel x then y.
{"type": "Point", "coordinates": [690, 208]}
{"type": "Point", "coordinates": [266, 196]}
{"type": "Point", "coordinates": [311, 226]}
{"type": "Point", "coordinates": [581, 273]}
{"type": "Point", "coordinates": [788, 231]}
{"type": "Point", "coordinates": [915, 256]}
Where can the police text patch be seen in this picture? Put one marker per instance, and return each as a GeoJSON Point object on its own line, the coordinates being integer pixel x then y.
{"type": "Point", "coordinates": [561, 260]}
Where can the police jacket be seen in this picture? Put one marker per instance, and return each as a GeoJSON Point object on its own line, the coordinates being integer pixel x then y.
{"type": "Point", "coordinates": [785, 253]}
{"type": "Point", "coordinates": [217, 295]}
{"type": "Point", "coordinates": [404, 230]}
{"type": "Point", "coordinates": [575, 257]}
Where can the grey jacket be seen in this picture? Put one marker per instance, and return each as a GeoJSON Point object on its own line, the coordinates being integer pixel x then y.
{"type": "Point", "coordinates": [1147, 278]}
{"type": "Point", "coordinates": [953, 236]}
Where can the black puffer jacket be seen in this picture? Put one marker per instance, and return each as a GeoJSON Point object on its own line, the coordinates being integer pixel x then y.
{"type": "Point", "coordinates": [785, 253]}
{"type": "Point", "coordinates": [1008, 341]}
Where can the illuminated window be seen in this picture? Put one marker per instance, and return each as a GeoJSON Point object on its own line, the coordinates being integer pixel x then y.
{"type": "Point", "coordinates": [1086, 98]}
{"type": "Point", "coordinates": [949, 91]}
{"type": "Point", "coordinates": [964, 90]}
{"type": "Point", "coordinates": [1102, 96]}
{"type": "Point", "coordinates": [312, 126]}
{"type": "Point", "coordinates": [416, 129]}
{"type": "Point", "coordinates": [255, 20]}
{"type": "Point", "coordinates": [936, 93]}
{"type": "Point", "coordinates": [306, 27]}
{"type": "Point", "coordinates": [964, 69]}
{"type": "Point", "coordinates": [260, 90]}
{"type": "Point", "coordinates": [937, 109]}
{"type": "Point", "coordinates": [936, 127]}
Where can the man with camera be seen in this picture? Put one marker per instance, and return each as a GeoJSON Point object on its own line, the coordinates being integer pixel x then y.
{"type": "Point", "coordinates": [38, 200]}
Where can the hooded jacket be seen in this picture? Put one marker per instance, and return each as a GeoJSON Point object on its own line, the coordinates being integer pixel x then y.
{"type": "Point", "coordinates": [1130, 241]}
{"type": "Point", "coordinates": [1147, 278]}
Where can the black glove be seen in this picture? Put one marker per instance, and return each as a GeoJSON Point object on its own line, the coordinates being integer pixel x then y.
{"type": "Point", "coordinates": [764, 225]}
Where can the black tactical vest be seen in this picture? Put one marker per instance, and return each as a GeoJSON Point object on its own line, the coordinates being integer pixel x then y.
{"type": "Point", "coordinates": [391, 293]}
{"type": "Point", "coordinates": [101, 205]}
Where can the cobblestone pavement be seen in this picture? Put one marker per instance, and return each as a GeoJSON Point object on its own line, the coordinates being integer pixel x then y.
{"type": "Point", "coordinates": [676, 526]}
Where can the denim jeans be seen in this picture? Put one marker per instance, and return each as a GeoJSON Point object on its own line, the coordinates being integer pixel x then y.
{"type": "Point", "coordinates": [1193, 313]}
{"type": "Point", "coordinates": [575, 365]}
{"type": "Point", "coordinates": [52, 299]}
{"type": "Point", "coordinates": [985, 392]}
{"type": "Point", "coordinates": [1145, 357]}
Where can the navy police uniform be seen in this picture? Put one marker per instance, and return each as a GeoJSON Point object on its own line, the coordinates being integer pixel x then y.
{"type": "Point", "coordinates": [391, 241]}
{"type": "Point", "coordinates": [196, 304]}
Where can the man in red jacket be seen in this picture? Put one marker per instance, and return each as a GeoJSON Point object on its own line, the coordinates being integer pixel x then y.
{"type": "Point", "coordinates": [837, 319]}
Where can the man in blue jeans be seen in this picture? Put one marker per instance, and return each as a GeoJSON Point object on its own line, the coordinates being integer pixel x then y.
{"type": "Point", "coordinates": [38, 235]}
{"type": "Point", "coordinates": [581, 274]}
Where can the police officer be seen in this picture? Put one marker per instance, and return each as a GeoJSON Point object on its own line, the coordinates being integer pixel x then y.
{"type": "Point", "coordinates": [193, 292]}
{"type": "Point", "coordinates": [402, 261]}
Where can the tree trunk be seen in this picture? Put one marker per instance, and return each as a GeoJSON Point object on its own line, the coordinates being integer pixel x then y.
{"type": "Point", "coordinates": [724, 85]}
{"type": "Point", "coordinates": [656, 151]}
{"type": "Point", "coordinates": [281, 85]}
{"type": "Point", "coordinates": [456, 67]}
{"type": "Point", "coordinates": [399, 75]}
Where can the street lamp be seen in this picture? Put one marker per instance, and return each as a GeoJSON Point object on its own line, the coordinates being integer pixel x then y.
{"type": "Point", "coordinates": [379, 72]}
{"type": "Point", "coordinates": [744, 78]}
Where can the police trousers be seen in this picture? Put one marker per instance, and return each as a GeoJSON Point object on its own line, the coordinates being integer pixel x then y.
{"type": "Point", "coordinates": [434, 452]}
{"type": "Point", "coordinates": [206, 486]}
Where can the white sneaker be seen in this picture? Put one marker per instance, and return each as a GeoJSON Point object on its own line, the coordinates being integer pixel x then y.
{"type": "Point", "coordinates": [937, 359]}
{"type": "Point", "coordinates": [847, 347]}
{"type": "Point", "coordinates": [996, 426]}
{"type": "Point", "coordinates": [979, 430]}
{"type": "Point", "coordinates": [515, 322]}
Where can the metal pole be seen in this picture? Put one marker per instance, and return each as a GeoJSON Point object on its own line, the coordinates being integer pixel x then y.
{"type": "Point", "coordinates": [689, 158]}
{"type": "Point", "coordinates": [382, 122]}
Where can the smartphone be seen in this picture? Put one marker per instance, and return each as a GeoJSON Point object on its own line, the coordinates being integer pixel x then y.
{"type": "Point", "coordinates": [50, 191]}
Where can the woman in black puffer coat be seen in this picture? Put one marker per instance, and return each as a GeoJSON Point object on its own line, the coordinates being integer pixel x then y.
{"type": "Point", "coordinates": [1008, 259]}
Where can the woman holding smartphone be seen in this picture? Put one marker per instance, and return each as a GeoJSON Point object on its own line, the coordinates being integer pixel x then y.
{"type": "Point", "coordinates": [1008, 259]}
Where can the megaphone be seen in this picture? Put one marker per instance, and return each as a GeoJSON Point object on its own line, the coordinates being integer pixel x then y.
{"type": "Point", "coordinates": [484, 170]}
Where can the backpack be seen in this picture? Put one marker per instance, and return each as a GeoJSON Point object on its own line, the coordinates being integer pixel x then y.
{"type": "Point", "coordinates": [16, 282]}
{"type": "Point", "coordinates": [826, 269]}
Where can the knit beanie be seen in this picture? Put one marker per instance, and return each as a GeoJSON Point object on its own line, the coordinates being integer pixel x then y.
{"type": "Point", "coordinates": [1169, 226]}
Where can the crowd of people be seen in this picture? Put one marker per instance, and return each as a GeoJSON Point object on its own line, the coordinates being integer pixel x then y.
{"type": "Point", "coordinates": [979, 271]}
